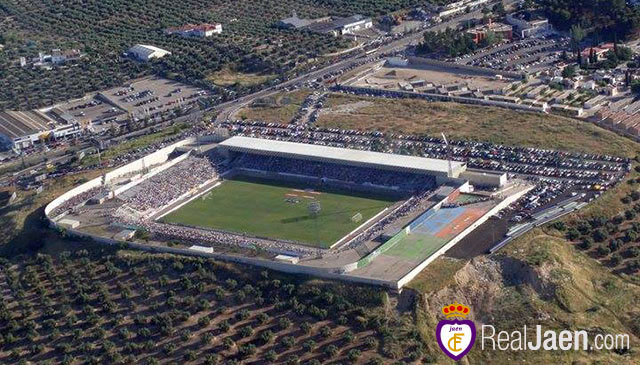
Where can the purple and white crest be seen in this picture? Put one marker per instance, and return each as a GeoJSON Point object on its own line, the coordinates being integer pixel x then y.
{"type": "Point", "coordinates": [456, 337]}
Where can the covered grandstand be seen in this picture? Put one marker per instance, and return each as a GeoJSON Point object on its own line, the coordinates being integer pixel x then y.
{"type": "Point", "coordinates": [344, 156]}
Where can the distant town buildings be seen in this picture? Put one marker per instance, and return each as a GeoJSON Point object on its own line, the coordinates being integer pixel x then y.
{"type": "Point", "coordinates": [193, 30]}
{"type": "Point", "coordinates": [335, 26]}
{"type": "Point", "coordinates": [145, 53]}
{"type": "Point", "coordinates": [148, 98]}
{"type": "Point", "coordinates": [529, 23]}
{"type": "Point", "coordinates": [55, 58]}
{"type": "Point", "coordinates": [457, 7]}
{"type": "Point", "coordinates": [596, 54]}
{"type": "Point", "coordinates": [626, 121]}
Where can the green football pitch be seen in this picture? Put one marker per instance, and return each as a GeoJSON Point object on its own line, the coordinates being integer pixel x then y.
{"type": "Point", "coordinates": [416, 246]}
{"type": "Point", "coordinates": [279, 210]}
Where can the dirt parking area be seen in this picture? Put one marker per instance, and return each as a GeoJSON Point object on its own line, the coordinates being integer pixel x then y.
{"type": "Point", "coordinates": [389, 78]}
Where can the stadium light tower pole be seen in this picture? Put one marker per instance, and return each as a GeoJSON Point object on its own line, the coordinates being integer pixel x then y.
{"type": "Point", "coordinates": [446, 143]}
{"type": "Point", "coordinates": [314, 211]}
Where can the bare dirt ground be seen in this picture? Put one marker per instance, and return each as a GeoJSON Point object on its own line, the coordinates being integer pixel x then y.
{"type": "Point", "coordinates": [391, 76]}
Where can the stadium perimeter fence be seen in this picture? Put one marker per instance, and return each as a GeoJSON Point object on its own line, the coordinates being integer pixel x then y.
{"type": "Point", "coordinates": [397, 237]}
{"type": "Point", "coordinates": [383, 248]}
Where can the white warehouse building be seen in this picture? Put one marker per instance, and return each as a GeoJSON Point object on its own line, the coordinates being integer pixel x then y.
{"type": "Point", "coordinates": [143, 52]}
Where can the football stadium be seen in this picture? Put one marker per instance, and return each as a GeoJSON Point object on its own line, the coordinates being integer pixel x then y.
{"type": "Point", "coordinates": [329, 211]}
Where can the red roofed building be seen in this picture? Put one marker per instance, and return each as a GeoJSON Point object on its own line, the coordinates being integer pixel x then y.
{"type": "Point", "coordinates": [600, 52]}
{"type": "Point", "coordinates": [504, 31]}
{"type": "Point", "coordinates": [193, 30]}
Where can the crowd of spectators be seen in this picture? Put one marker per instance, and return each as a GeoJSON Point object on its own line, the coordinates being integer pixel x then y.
{"type": "Point", "coordinates": [375, 230]}
{"type": "Point", "coordinates": [331, 171]}
{"type": "Point", "coordinates": [166, 186]}
{"type": "Point", "coordinates": [77, 200]}
{"type": "Point", "coordinates": [143, 151]}
{"type": "Point", "coordinates": [199, 236]}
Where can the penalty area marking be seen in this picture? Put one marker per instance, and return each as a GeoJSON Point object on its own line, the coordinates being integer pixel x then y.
{"type": "Point", "coordinates": [360, 226]}
{"type": "Point", "coordinates": [192, 198]}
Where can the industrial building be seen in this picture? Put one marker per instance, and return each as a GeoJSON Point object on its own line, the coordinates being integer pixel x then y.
{"type": "Point", "coordinates": [482, 178]}
{"type": "Point", "coordinates": [458, 7]}
{"type": "Point", "coordinates": [20, 130]}
{"type": "Point", "coordinates": [145, 53]}
{"type": "Point", "coordinates": [529, 24]}
{"type": "Point", "coordinates": [342, 26]}
{"type": "Point", "coordinates": [335, 26]}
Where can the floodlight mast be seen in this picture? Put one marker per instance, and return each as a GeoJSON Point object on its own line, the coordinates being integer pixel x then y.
{"type": "Point", "coordinates": [449, 154]}
{"type": "Point", "coordinates": [314, 208]}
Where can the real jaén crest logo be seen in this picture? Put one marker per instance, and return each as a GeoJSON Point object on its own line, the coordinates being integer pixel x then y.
{"type": "Point", "coordinates": [456, 334]}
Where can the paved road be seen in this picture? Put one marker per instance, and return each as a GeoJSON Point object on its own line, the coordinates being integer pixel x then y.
{"type": "Point", "coordinates": [228, 108]}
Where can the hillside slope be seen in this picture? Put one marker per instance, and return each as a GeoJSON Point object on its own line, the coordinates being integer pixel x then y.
{"type": "Point", "coordinates": [540, 279]}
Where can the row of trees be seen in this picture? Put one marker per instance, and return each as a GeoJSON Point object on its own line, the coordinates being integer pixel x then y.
{"type": "Point", "coordinates": [449, 42]}
{"type": "Point", "coordinates": [605, 19]}
{"type": "Point", "coordinates": [104, 29]}
{"type": "Point", "coordinates": [122, 309]}
{"type": "Point", "coordinates": [610, 240]}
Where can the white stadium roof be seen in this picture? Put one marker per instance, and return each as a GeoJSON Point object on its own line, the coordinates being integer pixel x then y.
{"type": "Point", "coordinates": [347, 156]}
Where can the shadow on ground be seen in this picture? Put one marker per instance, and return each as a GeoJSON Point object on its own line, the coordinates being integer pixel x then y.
{"type": "Point", "coordinates": [30, 238]}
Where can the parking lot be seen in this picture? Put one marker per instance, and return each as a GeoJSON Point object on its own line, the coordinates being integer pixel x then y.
{"type": "Point", "coordinates": [585, 170]}
{"type": "Point", "coordinates": [89, 110]}
{"type": "Point", "coordinates": [557, 176]}
{"type": "Point", "coordinates": [527, 54]}
{"type": "Point", "coordinates": [152, 97]}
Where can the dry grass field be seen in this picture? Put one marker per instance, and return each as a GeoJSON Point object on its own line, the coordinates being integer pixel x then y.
{"type": "Point", "coordinates": [537, 280]}
{"type": "Point", "coordinates": [279, 108]}
{"type": "Point", "coordinates": [460, 121]}
{"type": "Point", "coordinates": [227, 77]}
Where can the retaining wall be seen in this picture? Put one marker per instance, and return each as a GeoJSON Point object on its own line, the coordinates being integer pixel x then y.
{"type": "Point", "coordinates": [426, 62]}
{"type": "Point", "coordinates": [327, 273]}
{"type": "Point", "coordinates": [160, 156]}
{"type": "Point", "coordinates": [335, 273]}
{"type": "Point", "coordinates": [154, 158]}
{"type": "Point", "coordinates": [438, 97]}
